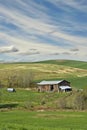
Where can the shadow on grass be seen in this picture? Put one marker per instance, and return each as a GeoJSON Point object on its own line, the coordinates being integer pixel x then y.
{"type": "Point", "coordinates": [9, 105]}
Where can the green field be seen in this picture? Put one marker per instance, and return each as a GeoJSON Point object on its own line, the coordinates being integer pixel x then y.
{"type": "Point", "coordinates": [57, 120]}
{"type": "Point", "coordinates": [30, 110]}
{"type": "Point", "coordinates": [28, 99]}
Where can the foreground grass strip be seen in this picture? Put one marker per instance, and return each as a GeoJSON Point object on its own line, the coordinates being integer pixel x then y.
{"type": "Point", "coordinates": [60, 120]}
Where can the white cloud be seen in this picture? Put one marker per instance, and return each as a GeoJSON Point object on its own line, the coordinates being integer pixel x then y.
{"type": "Point", "coordinates": [24, 45]}
{"type": "Point", "coordinates": [25, 22]}
{"type": "Point", "coordinates": [78, 5]}
{"type": "Point", "coordinates": [73, 39]}
{"type": "Point", "coordinates": [8, 49]}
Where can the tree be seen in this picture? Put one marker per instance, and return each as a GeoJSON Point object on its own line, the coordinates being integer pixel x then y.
{"type": "Point", "coordinates": [21, 79]}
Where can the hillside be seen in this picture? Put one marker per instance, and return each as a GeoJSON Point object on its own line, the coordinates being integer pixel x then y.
{"type": "Point", "coordinates": [70, 63]}
{"type": "Point", "coordinates": [73, 71]}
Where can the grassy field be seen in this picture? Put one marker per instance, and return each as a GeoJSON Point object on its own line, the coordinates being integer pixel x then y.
{"type": "Point", "coordinates": [36, 120]}
{"type": "Point", "coordinates": [73, 71]}
{"type": "Point", "coordinates": [28, 99]}
{"type": "Point", "coordinates": [30, 110]}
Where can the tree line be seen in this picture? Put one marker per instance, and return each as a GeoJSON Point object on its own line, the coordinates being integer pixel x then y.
{"type": "Point", "coordinates": [20, 79]}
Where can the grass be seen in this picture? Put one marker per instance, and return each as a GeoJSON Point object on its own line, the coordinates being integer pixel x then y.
{"type": "Point", "coordinates": [33, 100]}
{"type": "Point", "coordinates": [59, 120]}
{"type": "Point", "coordinates": [28, 99]}
{"type": "Point", "coordinates": [30, 110]}
{"type": "Point", "coordinates": [70, 63]}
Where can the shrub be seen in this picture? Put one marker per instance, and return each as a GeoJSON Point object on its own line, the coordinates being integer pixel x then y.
{"type": "Point", "coordinates": [28, 105]}
{"type": "Point", "coordinates": [62, 103]}
{"type": "Point", "coordinates": [79, 100]}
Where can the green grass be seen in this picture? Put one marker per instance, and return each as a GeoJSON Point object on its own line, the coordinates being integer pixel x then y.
{"type": "Point", "coordinates": [28, 99]}
{"type": "Point", "coordinates": [70, 63]}
{"type": "Point", "coordinates": [79, 82]}
{"type": "Point", "coordinates": [59, 120]}
{"type": "Point", "coordinates": [30, 110]}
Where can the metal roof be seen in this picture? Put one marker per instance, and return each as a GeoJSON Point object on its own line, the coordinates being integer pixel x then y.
{"type": "Point", "coordinates": [50, 82]}
{"type": "Point", "coordinates": [64, 87]}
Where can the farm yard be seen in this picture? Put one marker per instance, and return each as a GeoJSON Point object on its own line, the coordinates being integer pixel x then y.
{"type": "Point", "coordinates": [28, 109]}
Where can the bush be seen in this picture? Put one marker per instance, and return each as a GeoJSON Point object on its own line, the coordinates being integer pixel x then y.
{"type": "Point", "coordinates": [43, 102]}
{"type": "Point", "coordinates": [80, 101]}
{"type": "Point", "coordinates": [77, 101]}
{"type": "Point", "coordinates": [28, 105]}
{"type": "Point", "coordinates": [61, 103]}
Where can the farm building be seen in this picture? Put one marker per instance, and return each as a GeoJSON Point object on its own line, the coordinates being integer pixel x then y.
{"type": "Point", "coordinates": [59, 86]}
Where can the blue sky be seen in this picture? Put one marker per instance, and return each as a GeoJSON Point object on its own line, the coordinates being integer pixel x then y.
{"type": "Point", "coordinates": [33, 30]}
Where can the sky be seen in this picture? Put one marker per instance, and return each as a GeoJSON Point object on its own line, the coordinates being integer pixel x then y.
{"type": "Point", "coordinates": [36, 30]}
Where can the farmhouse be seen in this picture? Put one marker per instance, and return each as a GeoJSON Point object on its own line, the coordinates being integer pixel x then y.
{"type": "Point", "coordinates": [56, 86]}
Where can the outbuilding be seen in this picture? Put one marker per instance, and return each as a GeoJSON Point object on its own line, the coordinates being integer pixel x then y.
{"type": "Point", "coordinates": [55, 86]}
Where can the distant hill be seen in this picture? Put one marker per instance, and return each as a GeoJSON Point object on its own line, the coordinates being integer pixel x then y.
{"type": "Point", "coordinates": [70, 63]}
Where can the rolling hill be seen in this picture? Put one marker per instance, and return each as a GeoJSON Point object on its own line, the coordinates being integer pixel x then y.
{"type": "Point", "coordinates": [73, 71]}
{"type": "Point", "coordinates": [70, 63]}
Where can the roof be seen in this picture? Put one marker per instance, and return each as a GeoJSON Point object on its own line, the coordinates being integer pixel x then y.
{"type": "Point", "coordinates": [50, 82]}
{"type": "Point", "coordinates": [64, 87]}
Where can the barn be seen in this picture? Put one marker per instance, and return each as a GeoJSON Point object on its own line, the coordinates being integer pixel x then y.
{"type": "Point", "coordinates": [55, 86]}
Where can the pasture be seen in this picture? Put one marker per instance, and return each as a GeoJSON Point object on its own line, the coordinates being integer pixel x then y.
{"type": "Point", "coordinates": [28, 99]}
{"type": "Point", "coordinates": [46, 120]}
{"type": "Point", "coordinates": [30, 110]}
